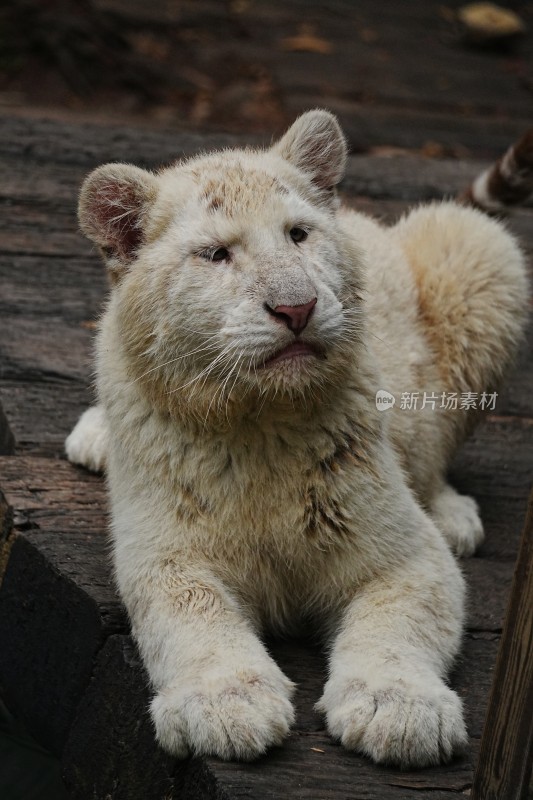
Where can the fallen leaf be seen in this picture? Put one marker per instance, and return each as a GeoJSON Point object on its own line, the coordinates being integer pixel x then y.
{"type": "Point", "coordinates": [486, 21]}
{"type": "Point", "coordinates": [306, 41]}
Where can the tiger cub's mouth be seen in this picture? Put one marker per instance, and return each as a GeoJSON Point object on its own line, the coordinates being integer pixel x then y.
{"type": "Point", "coordinates": [296, 351]}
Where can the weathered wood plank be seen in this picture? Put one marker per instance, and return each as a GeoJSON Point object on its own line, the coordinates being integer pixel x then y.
{"type": "Point", "coordinates": [46, 142]}
{"type": "Point", "coordinates": [495, 466]}
{"type": "Point", "coordinates": [44, 163]}
{"type": "Point", "coordinates": [506, 755]}
{"type": "Point", "coordinates": [372, 126]}
{"type": "Point", "coordinates": [488, 582]}
{"type": "Point", "coordinates": [42, 412]}
{"type": "Point", "coordinates": [63, 355]}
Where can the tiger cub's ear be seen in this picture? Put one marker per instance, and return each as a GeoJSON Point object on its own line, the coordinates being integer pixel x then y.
{"type": "Point", "coordinates": [316, 145]}
{"type": "Point", "coordinates": [113, 205]}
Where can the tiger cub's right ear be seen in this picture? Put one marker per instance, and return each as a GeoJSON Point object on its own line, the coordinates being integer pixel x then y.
{"type": "Point", "coordinates": [113, 206]}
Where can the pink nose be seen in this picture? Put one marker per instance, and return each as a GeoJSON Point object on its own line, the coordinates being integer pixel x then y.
{"type": "Point", "coordinates": [294, 317]}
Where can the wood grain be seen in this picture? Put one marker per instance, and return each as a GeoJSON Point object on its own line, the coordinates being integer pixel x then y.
{"type": "Point", "coordinates": [503, 771]}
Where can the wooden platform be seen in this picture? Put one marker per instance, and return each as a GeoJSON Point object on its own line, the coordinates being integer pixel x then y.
{"type": "Point", "coordinates": [68, 667]}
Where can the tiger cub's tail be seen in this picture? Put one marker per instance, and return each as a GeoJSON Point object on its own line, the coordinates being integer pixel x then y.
{"type": "Point", "coordinates": [508, 182]}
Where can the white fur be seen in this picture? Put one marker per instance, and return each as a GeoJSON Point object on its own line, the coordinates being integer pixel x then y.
{"type": "Point", "coordinates": [87, 444]}
{"type": "Point", "coordinates": [247, 496]}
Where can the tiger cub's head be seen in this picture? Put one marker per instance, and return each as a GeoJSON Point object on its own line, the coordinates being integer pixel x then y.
{"type": "Point", "coordinates": [231, 278]}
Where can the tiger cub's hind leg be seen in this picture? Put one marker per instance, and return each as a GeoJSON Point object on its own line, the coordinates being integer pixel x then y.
{"type": "Point", "coordinates": [87, 443]}
{"type": "Point", "coordinates": [457, 518]}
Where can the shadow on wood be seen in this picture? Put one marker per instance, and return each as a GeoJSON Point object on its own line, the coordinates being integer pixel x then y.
{"type": "Point", "coordinates": [7, 440]}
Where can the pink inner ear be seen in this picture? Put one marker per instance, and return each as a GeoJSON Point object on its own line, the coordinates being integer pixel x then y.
{"type": "Point", "coordinates": [117, 211]}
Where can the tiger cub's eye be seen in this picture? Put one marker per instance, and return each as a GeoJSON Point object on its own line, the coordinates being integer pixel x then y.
{"type": "Point", "coordinates": [298, 235]}
{"type": "Point", "coordinates": [220, 254]}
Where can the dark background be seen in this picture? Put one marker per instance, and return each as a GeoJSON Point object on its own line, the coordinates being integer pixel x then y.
{"type": "Point", "coordinates": [400, 73]}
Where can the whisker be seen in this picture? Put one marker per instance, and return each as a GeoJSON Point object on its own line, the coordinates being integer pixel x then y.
{"type": "Point", "coordinates": [207, 370]}
{"type": "Point", "coordinates": [172, 361]}
{"type": "Point", "coordinates": [216, 393]}
{"type": "Point", "coordinates": [195, 330]}
{"type": "Point", "coordinates": [370, 333]}
{"type": "Point", "coordinates": [265, 393]}
{"type": "Point", "coordinates": [237, 364]}
{"type": "Point", "coordinates": [251, 362]}
{"type": "Point", "coordinates": [223, 365]}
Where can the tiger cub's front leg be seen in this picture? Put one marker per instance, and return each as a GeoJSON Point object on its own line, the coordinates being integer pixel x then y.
{"type": "Point", "coordinates": [218, 692]}
{"type": "Point", "coordinates": [386, 696]}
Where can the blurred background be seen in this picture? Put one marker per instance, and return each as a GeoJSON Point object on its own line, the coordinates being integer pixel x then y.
{"type": "Point", "coordinates": [432, 77]}
{"type": "Point", "coordinates": [442, 78]}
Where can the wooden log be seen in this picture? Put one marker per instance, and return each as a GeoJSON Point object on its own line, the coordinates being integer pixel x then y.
{"type": "Point", "coordinates": [111, 749]}
{"type": "Point", "coordinates": [50, 632]}
{"type": "Point", "coordinates": [371, 70]}
{"type": "Point", "coordinates": [503, 770]}
{"type": "Point", "coordinates": [57, 600]}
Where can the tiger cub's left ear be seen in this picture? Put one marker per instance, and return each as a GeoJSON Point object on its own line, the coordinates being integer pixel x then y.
{"type": "Point", "coordinates": [316, 145]}
{"type": "Point", "coordinates": [114, 202]}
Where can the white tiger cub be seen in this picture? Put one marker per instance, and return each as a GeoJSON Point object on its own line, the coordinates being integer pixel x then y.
{"type": "Point", "coordinates": [254, 482]}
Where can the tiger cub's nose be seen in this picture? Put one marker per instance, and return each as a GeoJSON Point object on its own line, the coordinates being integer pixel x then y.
{"type": "Point", "coordinates": [294, 317]}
